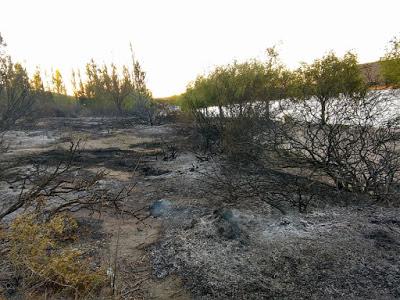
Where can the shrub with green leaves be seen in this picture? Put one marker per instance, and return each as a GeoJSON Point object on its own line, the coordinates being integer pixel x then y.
{"type": "Point", "coordinates": [43, 252]}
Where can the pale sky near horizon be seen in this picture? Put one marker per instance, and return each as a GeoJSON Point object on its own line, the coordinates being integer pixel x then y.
{"type": "Point", "coordinates": [176, 40]}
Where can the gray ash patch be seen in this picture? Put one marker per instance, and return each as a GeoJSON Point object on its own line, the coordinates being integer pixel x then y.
{"type": "Point", "coordinates": [324, 255]}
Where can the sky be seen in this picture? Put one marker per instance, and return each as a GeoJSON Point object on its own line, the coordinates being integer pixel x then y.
{"type": "Point", "coordinates": [176, 40]}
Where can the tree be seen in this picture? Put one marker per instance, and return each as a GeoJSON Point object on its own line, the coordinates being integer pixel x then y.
{"type": "Point", "coordinates": [390, 63]}
{"type": "Point", "coordinates": [58, 84]}
{"type": "Point", "coordinates": [3, 64]}
{"type": "Point", "coordinates": [109, 84]}
{"type": "Point", "coordinates": [77, 86]}
{"type": "Point", "coordinates": [16, 98]}
{"type": "Point", "coordinates": [37, 82]}
{"type": "Point", "coordinates": [117, 87]}
{"type": "Point", "coordinates": [142, 98]}
{"type": "Point", "coordinates": [238, 86]}
{"type": "Point", "coordinates": [93, 86]}
{"type": "Point", "coordinates": [43, 98]}
{"type": "Point", "coordinates": [277, 80]}
{"type": "Point", "coordinates": [327, 79]}
{"type": "Point", "coordinates": [103, 85]}
{"type": "Point", "coordinates": [139, 80]}
{"type": "Point", "coordinates": [138, 77]}
{"type": "Point", "coordinates": [232, 103]}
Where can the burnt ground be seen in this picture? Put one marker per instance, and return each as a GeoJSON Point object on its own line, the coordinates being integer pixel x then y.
{"type": "Point", "coordinates": [183, 249]}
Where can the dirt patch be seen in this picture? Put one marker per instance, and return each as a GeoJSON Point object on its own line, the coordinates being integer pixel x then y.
{"type": "Point", "coordinates": [109, 147]}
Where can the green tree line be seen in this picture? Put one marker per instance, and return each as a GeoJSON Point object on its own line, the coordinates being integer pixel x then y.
{"type": "Point", "coordinates": [263, 81]}
{"type": "Point", "coordinates": [98, 89]}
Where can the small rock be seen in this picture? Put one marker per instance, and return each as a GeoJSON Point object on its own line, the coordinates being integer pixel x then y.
{"type": "Point", "coordinates": [160, 207]}
{"type": "Point", "coordinates": [284, 222]}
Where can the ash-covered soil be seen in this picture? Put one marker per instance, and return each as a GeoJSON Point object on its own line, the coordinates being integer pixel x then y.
{"type": "Point", "coordinates": [342, 253]}
{"type": "Point", "coordinates": [185, 246]}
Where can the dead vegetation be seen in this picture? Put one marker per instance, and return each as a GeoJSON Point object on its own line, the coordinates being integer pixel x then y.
{"type": "Point", "coordinates": [357, 148]}
{"type": "Point", "coordinates": [63, 187]}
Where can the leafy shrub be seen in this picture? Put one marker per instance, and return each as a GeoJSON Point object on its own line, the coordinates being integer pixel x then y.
{"type": "Point", "coordinates": [42, 252]}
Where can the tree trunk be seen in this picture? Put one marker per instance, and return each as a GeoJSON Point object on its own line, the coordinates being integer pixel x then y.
{"type": "Point", "coordinates": [221, 116]}
{"type": "Point", "coordinates": [118, 103]}
{"type": "Point", "coordinates": [267, 112]}
{"type": "Point", "coordinates": [323, 112]}
{"type": "Point", "coordinates": [150, 118]}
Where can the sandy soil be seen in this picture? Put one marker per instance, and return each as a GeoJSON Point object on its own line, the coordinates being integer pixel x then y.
{"type": "Point", "coordinates": [144, 146]}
